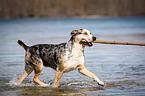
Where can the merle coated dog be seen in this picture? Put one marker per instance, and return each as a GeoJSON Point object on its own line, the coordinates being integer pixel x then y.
{"type": "Point", "coordinates": [63, 57]}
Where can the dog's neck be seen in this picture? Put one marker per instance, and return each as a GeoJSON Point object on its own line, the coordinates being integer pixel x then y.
{"type": "Point", "coordinates": [73, 49]}
{"type": "Point", "coordinates": [71, 44]}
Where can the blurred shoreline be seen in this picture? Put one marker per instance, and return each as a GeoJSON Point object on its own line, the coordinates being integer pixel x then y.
{"type": "Point", "coordinates": [77, 17]}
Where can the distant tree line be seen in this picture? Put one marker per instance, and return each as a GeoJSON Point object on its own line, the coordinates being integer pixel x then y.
{"type": "Point", "coordinates": [70, 8]}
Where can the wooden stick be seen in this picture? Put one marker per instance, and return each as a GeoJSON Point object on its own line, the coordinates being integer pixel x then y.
{"type": "Point", "coordinates": [121, 43]}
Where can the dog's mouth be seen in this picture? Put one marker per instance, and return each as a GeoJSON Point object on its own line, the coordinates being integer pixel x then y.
{"type": "Point", "coordinates": [84, 42]}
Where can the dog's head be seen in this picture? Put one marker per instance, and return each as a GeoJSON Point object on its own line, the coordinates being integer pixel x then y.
{"type": "Point", "coordinates": [83, 36]}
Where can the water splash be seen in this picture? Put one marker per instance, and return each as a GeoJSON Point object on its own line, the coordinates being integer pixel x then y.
{"type": "Point", "coordinates": [80, 84]}
{"type": "Point", "coordinates": [14, 82]}
{"type": "Point", "coordinates": [27, 83]}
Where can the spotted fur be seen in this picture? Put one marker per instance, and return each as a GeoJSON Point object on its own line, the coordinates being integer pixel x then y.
{"type": "Point", "coordinates": [62, 57]}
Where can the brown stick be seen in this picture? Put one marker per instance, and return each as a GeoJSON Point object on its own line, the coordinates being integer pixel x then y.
{"type": "Point", "coordinates": [121, 43]}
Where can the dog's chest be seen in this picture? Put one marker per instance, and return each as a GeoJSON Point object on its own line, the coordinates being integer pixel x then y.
{"type": "Point", "coordinates": [74, 58]}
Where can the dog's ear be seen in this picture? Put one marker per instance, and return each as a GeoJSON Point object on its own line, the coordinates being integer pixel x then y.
{"type": "Point", "coordinates": [74, 32]}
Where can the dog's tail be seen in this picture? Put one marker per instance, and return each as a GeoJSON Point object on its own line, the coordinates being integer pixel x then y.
{"type": "Point", "coordinates": [22, 44]}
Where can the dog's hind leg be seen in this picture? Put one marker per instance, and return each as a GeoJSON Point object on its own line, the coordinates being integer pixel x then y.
{"type": "Point", "coordinates": [38, 68]}
{"type": "Point", "coordinates": [26, 72]}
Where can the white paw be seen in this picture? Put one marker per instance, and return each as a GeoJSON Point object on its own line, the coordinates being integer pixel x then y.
{"type": "Point", "coordinates": [100, 83]}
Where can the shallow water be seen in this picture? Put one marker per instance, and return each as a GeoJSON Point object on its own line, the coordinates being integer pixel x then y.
{"type": "Point", "coordinates": [121, 67]}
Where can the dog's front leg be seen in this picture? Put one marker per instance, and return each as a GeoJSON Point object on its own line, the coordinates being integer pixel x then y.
{"type": "Point", "coordinates": [85, 72]}
{"type": "Point", "coordinates": [57, 77]}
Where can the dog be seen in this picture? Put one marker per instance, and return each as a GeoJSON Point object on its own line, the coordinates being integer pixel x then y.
{"type": "Point", "coordinates": [62, 57]}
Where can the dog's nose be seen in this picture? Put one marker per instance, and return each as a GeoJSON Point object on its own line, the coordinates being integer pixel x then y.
{"type": "Point", "coordinates": [94, 38]}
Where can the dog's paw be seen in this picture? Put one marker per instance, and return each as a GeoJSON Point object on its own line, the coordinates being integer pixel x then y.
{"type": "Point", "coordinates": [101, 84]}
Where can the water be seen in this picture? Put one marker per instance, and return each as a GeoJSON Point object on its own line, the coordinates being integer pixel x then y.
{"type": "Point", "coordinates": [121, 67]}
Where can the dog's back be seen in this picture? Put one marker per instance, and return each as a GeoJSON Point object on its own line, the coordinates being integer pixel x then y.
{"type": "Point", "coordinates": [50, 54]}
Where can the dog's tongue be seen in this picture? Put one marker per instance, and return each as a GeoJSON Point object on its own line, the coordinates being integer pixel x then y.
{"type": "Point", "coordinates": [90, 44]}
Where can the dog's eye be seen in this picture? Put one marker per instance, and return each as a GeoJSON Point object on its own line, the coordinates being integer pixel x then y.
{"type": "Point", "coordinates": [86, 33]}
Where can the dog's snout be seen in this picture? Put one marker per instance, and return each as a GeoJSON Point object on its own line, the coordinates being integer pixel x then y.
{"type": "Point", "coordinates": [94, 38]}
